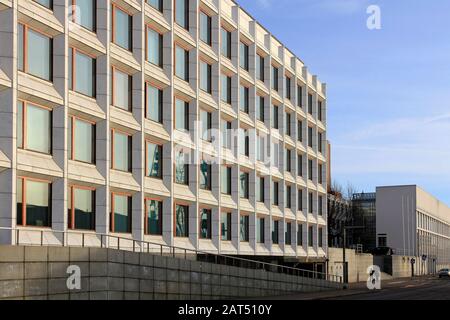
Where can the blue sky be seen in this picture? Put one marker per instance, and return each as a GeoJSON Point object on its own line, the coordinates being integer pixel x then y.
{"type": "Point", "coordinates": [388, 89]}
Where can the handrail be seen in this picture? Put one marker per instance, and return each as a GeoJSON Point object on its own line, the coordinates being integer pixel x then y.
{"type": "Point", "coordinates": [172, 250]}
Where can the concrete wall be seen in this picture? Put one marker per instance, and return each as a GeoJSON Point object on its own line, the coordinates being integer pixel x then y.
{"type": "Point", "coordinates": [357, 264]}
{"type": "Point", "coordinates": [40, 273]}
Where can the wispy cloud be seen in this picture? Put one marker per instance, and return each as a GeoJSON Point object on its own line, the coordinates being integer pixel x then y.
{"type": "Point", "coordinates": [265, 4]}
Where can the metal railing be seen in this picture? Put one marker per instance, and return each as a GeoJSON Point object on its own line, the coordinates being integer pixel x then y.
{"type": "Point", "coordinates": [99, 240]}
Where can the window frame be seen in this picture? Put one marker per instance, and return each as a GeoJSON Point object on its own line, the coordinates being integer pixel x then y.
{"type": "Point", "coordinates": [186, 14]}
{"type": "Point", "coordinates": [130, 212]}
{"type": "Point", "coordinates": [186, 206]}
{"type": "Point", "coordinates": [186, 168]}
{"type": "Point", "coordinates": [228, 42]}
{"type": "Point", "coordinates": [246, 219]}
{"type": "Point", "coordinates": [244, 194]}
{"type": "Point", "coordinates": [44, 6]}
{"type": "Point", "coordinates": [160, 5]}
{"type": "Point", "coordinates": [208, 182]}
{"type": "Point", "coordinates": [74, 73]}
{"type": "Point", "coordinates": [160, 105]}
{"type": "Point", "coordinates": [113, 26]}
{"type": "Point", "coordinates": [203, 63]}
{"type": "Point", "coordinates": [186, 62]}
{"type": "Point", "coordinates": [73, 119]}
{"type": "Point", "coordinates": [147, 161]}
{"type": "Point", "coordinates": [115, 69]}
{"type": "Point", "coordinates": [130, 146]}
{"type": "Point", "coordinates": [208, 236]}
{"type": "Point", "coordinates": [161, 217]}
{"type": "Point", "coordinates": [208, 39]}
{"type": "Point", "coordinates": [160, 49]}
{"type": "Point", "coordinates": [229, 225]}
{"type": "Point", "coordinates": [186, 114]}
{"type": "Point", "coordinates": [94, 15]}
{"type": "Point", "coordinates": [229, 187]}
{"type": "Point", "coordinates": [71, 218]}
{"type": "Point", "coordinates": [244, 49]}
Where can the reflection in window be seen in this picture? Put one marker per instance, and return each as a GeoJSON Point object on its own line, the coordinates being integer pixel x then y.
{"type": "Point", "coordinates": [121, 213]}
{"type": "Point", "coordinates": [226, 134]}
{"type": "Point", "coordinates": [226, 180]}
{"type": "Point", "coordinates": [35, 51]}
{"type": "Point", "coordinates": [45, 3]}
{"type": "Point", "coordinates": [205, 28]}
{"type": "Point", "coordinates": [181, 221]}
{"type": "Point", "coordinates": [154, 160]}
{"type": "Point", "coordinates": [157, 4]}
{"type": "Point", "coordinates": [154, 47]}
{"type": "Point", "coordinates": [153, 222]}
{"type": "Point", "coordinates": [181, 63]}
{"type": "Point", "coordinates": [83, 13]}
{"type": "Point", "coordinates": [181, 169]}
{"type": "Point", "coordinates": [82, 70]}
{"type": "Point", "coordinates": [181, 115]}
{"type": "Point", "coordinates": [244, 181]}
{"type": "Point", "coordinates": [260, 222]}
{"type": "Point", "coordinates": [226, 43]}
{"type": "Point", "coordinates": [82, 140]}
{"type": "Point", "coordinates": [205, 119]}
{"type": "Point", "coordinates": [205, 76]}
{"type": "Point", "coordinates": [34, 127]}
{"type": "Point", "coordinates": [121, 151]}
{"type": "Point", "coordinates": [243, 56]}
{"type": "Point", "coordinates": [205, 224]}
{"type": "Point", "coordinates": [244, 228]}
{"type": "Point", "coordinates": [182, 13]}
{"type": "Point", "coordinates": [225, 226]}
{"type": "Point", "coordinates": [225, 88]}
{"type": "Point", "coordinates": [154, 101]}
{"type": "Point", "coordinates": [205, 175]}
{"type": "Point", "coordinates": [121, 29]}
{"type": "Point", "coordinates": [244, 99]}
{"type": "Point", "coordinates": [33, 203]}
{"type": "Point", "coordinates": [275, 231]}
{"type": "Point", "coordinates": [121, 89]}
{"type": "Point", "coordinates": [81, 207]}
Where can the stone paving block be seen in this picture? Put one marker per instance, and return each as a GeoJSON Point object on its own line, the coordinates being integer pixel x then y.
{"type": "Point", "coordinates": [115, 269]}
{"type": "Point", "coordinates": [159, 261]}
{"type": "Point", "coordinates": [195, 277]}
{"type": "Point", "coordinates": [160, 286]}
{"type": "Point", "coordinates": [36, 270]}
{"type": "Point", "coordinates": [57, 269]}
{"type": "Point", "coordinates": [146, 296]}
{"type": "Point", "coordinates": [172, 287]}
{"type": "Point", "coordinates": [196, 289]}
{"type": "Point", "coordinates": [36, 254]}
{"type": "Point", "coordinates": [131, 271]}
{"type": "Point", "coordinates": [12, 253]}
{"type": "Point", "coordinates": [98, 269]}
{"type": "Point", "coordinates": [58, 254]}
{"type": "Point", "coordinates": [57, 286]}
{"type": "Point", "coordinates": [172, 263]}
{"type": "Point", "coordinates": [78, 254]}
{"type": "Point", "coordinates": [172, 275]}
{"type": "Point", "coordinates": [11, 271]}
{"type": "Point", "coordinates": [184, 276]}
{"type": "Point", "coordinates": [79, 296]}
{"type": "Point", "coordinates": [115, 295]}
{"type": "Point", "coordinates": [146, 259]}
{"type": "Point", "coordinates": [160, 296]}
{"type": "Point", "coordinates": [98, 295]}
{"type": "Point", "coordinates": [98, 254]}
{"type": "Point", "coordinates": [160, 274]}
{"type": "Point", "coordinates": [131, 296]}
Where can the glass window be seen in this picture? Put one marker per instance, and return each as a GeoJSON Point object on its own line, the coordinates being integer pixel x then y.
{"type": "Point", "coordinates": [181, 115]}
{"type": "Point", "coordinates": [310, 137]}
{"type": "Point", "coordinates": [182, 13]}
{"type": "Point", "coordinates": [121, 213]}
{"type": "Point", "coordinates": [205, 119]}
{"type": "Point", "coordinates": [205, 175]}
{"type": "Point", "coordinates": [300, 235]}
{"type": "Point", "coordinates": [275, 231]}
{"type": "Point", "coordinates": [299, 96]}
{"type": "Point", "coordinates": [300, 165]}
{"type": "Point", "coordinates": [288, 160]}
{"type": "Point", "coordinates": [319, 110]}
{"type": "Point", "coordinates": [205, 28]}
{"type": "Point", "coordinates": [244, 99]}
{"type": "Point", "coordinates": [121, 151]}
{"type": "Point", "coordinates": [154, 101]}
{"type": "Point", "coordinates": [288, 197]}
{"type": "Point", "coordinates": [122, 28]}
{"type": "Point", "coordinates": [45, 3]}
{"type": "Point", "coordinates": [288, 234]}
{"type": "Point", "coordinates": [310, 103]}
{"type": "Point", "coordinates": [300, 199]}
{"type": "Point", "coordinates": [288, 124]}
{"type": "Point", "coordinates": [226, 43]}
{"type": "Point", "coordinates": [226, 180]}
{"type": "Point", "coordinates": [260, 109]}
{"type": "Point", "coordinates": [260, 230]}
{"type": "Point", "coordinates": [260, 189]}
{"type": "Point", "coordinates": [81, 207]}
{"type": "Point", "coordinates": [225, 226]}
{"type": "Point", "coordinates": [181, 169]}
{"type": "Point", "coordinates": [205, 76]}
{"type": "Point", "coordinates": [121, 89]}
{"type": "Point", "coordinates": [310, 236]}
{"type": "Point", "coordinates": [243, 56]}
{"type": "Point", "coordinates": [310, 202]}
{"type": "Point", "coordinates": [181, 221]}
{"type": "Point", "coordinates": [181, 63]}
{"type": "Point", "coordinates": [275, 117]}
{"type": "Point", "coordinates": [226, 134]}
{"type": "Point", "coordinates": [83, 12]}
{"type": "Point", "coordinates": [34, 128]}
{"type": "Point", "coordinates": [275, 78]}
{"type": "Point", "coordinates": [153, 223]}
{"type": "Point", "coordinates": [154, 160]}
{"type": "Point", "coordinates": [35, 52]}
{"type": "Point", "coordinates": [260, 68]}
{"type": "Point", "coordinates": [320, 240]}
{"type": "Point", "coordinates": [275, 193]}
{"type": "Point", "coordinates": [157, 4]}
{"type": "Point", "coordinates": [244, 224]}
{"type": "Point", "coordinates": [225, 89]}
{"type": "Point", "coordinates": [319, 142]}
{"type": "Point", "coordinates": [154, 47]}
{"type": "Point", "coordinates": [300, 131]}
{"type": "Point", "coordinates": [320, 177]}
{"type": "Point", "coordinates": [82, 73]}
{"type": "Point", "coordinates": [288, 88]}
{"type": "Point", "coordinates": [320, 200]}
{"type": "Point", "coordinates": [33, 203]}
{"type": "Point", "coordinates": [244, 183]}
{"type": "Point", "coordinates": [275, 154]}
{"type": "Point", "coordinates": [244, 147]}
{"type": "Point", "coordinates": [205, 224]}
{"type": "Point", "coordinates": [82, 140]}
{"type": "Point", "coordinates": [310, 169]}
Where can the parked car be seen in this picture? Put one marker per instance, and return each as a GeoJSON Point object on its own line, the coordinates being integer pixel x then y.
{"type": "Point", "coordinates": [444, 273]}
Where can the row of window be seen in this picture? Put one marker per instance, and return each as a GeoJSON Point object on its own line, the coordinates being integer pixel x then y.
{"type": "Point", "coordinates": [34, 209]}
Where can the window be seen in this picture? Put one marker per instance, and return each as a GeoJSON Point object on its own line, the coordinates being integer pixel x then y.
{"type": "Point", "coordinates": [181, 63]}
{"type": "Point", "coordinates": [157, 4]}
{"type": "Point", "coordinates": [33, 203]}
{"type": "Point", "coordinates": [310, 169]}
{"type": "Point", "coordinates": [288, 197]}
{"type": "Point", "coordinates": [226, 43]}
{"type": "Point", "coordinates": [260, 230]}
{"type": "Point", "coordinates": [181, 221]}
{"type": "Point", "coordinates": [300, 131]}
{"type": "Point", "coordinates": [244, 224]}
{"type": "Point", "coordinates": [153, 103]}
{"type": "Point", "coordinates": [260, 109]}
{"type": "Point", "coordinates": [121, 151]}
{"type": "Point", "coordinates": [81, 207]}
{"type": "Point", "coordinates": [260, 189]}
{"type": "Point", "coordinates": [299, 96]}
{"type": "Point", "coordinates": [82, 69]}
{"type": "Point", "coordinates": [226, 180]}
{"type": "Point", "coordinates": [320, 178]}
{"type": "Point", "coordinates": [275, 154]}
{"type": "Point", "coordinates": [275, 78]}
{"type": "Point", "coordinates": [225, 226]}
{"type": "Point", "coordinates": [225, 89]}
{"type": "Point", "coordinates": [310, 137]}
{"type": "Point", "coordinates": [244, 184]}
{"type": "Point", "coordinates": [319, 110]}
{"type": "Point", "coordinates": [288, 233]}
{"type": "Point", "coordinates": [300, 165]}
{"type": "Point", "coordinates": [260, 147]}
{"type": "Point", "coordinates": [121, 28]}
{"type": "Point", "coordinates": [46, 3]}
{"type": "Point", "coordinates": [182, 13]}
{"type": "Point", "coordinates": [288, 124]}
{"type": "Point", "coordinates": [300, 199]}
{"type": "Point", "coordinates": [310, 202]}
{"type": "Point", "coordinates": [121, 87]}
{"type": "Point", "coordinates": [320, 240]}
{"type": "Point", "coordinates": [205, 224]}
{"type": "Point", "coordinates": [205, 119]}
{"type": "Point", "coordinates": [82, 140]}
{"type": "Point", "coordinates": [382, 241]}
{"type": "Point", "coordinates": [181, 115]}
{"type": "Point", "coordinates": [275, 117]}
{"type": "Point", "coordinates": [154, 49]}
{"type": "Point", "coordinates": [226, 134]}
{"type": "Point", "coordinates": [244, 99]}
{"type": "Point", "coordinates": [120, 213]}
{"type": "Point", "coordinates": [205, 175]}
{"type": "Point", "coordinates": [300, 235]}
{"type": "Point", "coordinates": [319, 142]}
{"type": "Point", "coordinates": [320, 205]}
{"type": "Point", "coordinates": [243, 56]}
{"type": "Point", "coordinates": [275, 231]}
{"type": "Point", "coordinates": [310, 103]}
{"type": "Point", "coordinates": [260, 68]}
{"type": "Point", "coordinates": [205, 28]}
{"type": "Point", "coordinates": [288, 160]}
{"type": "Point", "coordinates": [34, 127]}
{"type": "Point", "coordinates": [153, 217]}
{"type": "Point", "coordinates": [181, 168]}
{"type": "Point", "coordinates": [205, 76]}
{"type": "Point", "coordinates": [275, 193]}
{"type": "Point", "coordinates": [310, 236]}
{"type": "Point", "coordinates": [35, 53]}
{"type": "Point", "coordinates": [244, 144]}
{"type": "Point", "coordinates": [154, 160]}
{"type": "Point", "coordinates": [83, 13]}
{"type": "Point", "coordinates": [288, 88]}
